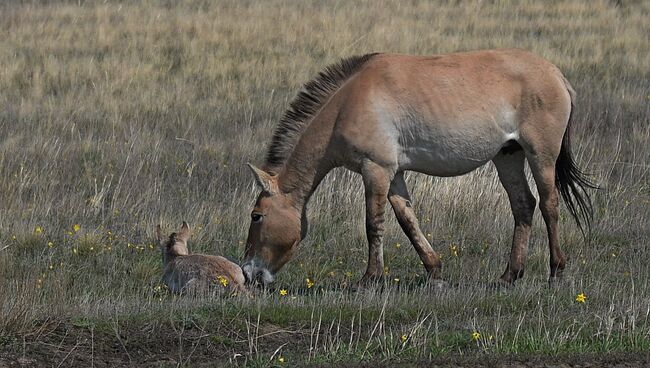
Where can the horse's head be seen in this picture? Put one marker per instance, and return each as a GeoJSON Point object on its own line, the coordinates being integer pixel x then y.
{"type": "Point", "coordinates": [274, 232]}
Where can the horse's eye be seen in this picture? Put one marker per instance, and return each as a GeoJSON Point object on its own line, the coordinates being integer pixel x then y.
{"type": "Point", "coordinates": [256, 217]}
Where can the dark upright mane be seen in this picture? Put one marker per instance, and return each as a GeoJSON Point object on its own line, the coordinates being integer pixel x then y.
{"type": "Point", "coordinates": [308, 101]}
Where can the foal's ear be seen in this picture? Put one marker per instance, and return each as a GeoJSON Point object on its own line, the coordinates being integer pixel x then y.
{"type": "Point", "coordinates": [159, 234]}
{"type": "Point", "coordinates": [184, 234]}
{"type": "Point", "coordinates": [264, 180]}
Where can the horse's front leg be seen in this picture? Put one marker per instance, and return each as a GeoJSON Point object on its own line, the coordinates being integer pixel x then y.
{"type": "Point", "coordinates": [401, 201]}
{"type": "Point", "coordinates": [376, 181]}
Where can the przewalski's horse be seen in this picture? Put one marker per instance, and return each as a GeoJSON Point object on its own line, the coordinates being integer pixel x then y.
{"type": "Point", "coordinates": [443, 115]}
{"type": "Point", "coordinates": [182, 271]}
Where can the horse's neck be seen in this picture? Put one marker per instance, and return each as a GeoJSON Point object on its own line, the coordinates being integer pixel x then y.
{"type": "Point", "coordinates": [309, 162]}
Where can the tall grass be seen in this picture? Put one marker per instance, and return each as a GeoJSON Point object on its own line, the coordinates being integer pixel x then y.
{"type": "Point", "coordinates": [119, 116]}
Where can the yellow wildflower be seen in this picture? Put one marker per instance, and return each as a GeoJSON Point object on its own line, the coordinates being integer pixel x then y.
{"type": "Point", "coordinates": [74, 250]}
{"type": "Point", "coordinates": [281, 359]}
{"type": "Point", "coordinates": [50, 244]}
{"type": "Point", "coordinates": [309, 282]}
{"type": "Point", "coordinates": [404, 338]}
{"type": "Point", "coordinates": [476, 335]}
{"type": "Point", "coordinates": [453, 249]}
{"type": "Point", "coordinates": [222, 280]}
{"type": "Point", "coordinates": [13, 237]}
{"type": "Point", "coordinates": [397, 245]}
{"type": "Point", "coordinates": [38, 230]}
{"type": "Point", "coordinates": [581, 298]}
{"type": "Point", "coordinates": [283, 292]}
{"type": "Point", "coordinates": [396, 279]}
{"type": "Point", "coordinates": [76, 227]}
{"type": "Point", "coordinates": [51, 267]}
{"type": "Point", "coordinates": [348, 274]}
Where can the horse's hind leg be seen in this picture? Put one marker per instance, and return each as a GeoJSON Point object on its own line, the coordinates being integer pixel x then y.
{"type": "Point", "coordinates": [510, 167]}
{"type": "Point", "coordinates": [543, 169]}
{"type": "Point", "coordinates": [400, 200]}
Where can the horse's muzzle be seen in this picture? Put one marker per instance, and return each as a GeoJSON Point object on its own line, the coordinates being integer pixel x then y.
{"type": "Point", "coordinates": [256, 273]}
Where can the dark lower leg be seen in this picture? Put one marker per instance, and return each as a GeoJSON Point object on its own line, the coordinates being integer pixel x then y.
{"type": "Point", "coordinates": [551, 214]}
{"type": "Point", "coordinates": [522, 203]}
{"type": "Point", "coordinates": [400, 200]}
{"type": "Point", "coordinates": [376, 188]}
{"type": "Point", "coordinates": [515, 268]}
{"type": "Point", "coordinates": [548, 205]}
{"type": "Point", "coordinates": [409, 223]}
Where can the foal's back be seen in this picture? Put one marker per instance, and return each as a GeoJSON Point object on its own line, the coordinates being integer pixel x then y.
{"type": "Point", "coordinates": [203, 271]}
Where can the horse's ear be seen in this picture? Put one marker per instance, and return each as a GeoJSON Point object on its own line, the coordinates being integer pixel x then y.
{"type": "Point", "coordinates": [184, 234]}
{"type": "Point", "coordinates": [264, 180]}
{"type": "Point", "coordinates": [159, 234]}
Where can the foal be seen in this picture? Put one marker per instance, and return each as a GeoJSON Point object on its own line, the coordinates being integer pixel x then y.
{"type": "Point", "coordinates": [182, 271]}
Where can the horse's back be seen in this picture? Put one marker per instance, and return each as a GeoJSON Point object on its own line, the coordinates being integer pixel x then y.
{"type": "Point", "coordinates": [446, 115]}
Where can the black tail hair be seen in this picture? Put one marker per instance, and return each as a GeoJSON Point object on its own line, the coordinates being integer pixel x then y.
{"type": "Point", "coordinates": [572, 182]}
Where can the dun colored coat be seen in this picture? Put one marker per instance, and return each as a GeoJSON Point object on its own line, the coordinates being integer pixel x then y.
{"type": "Point", "coordinates": [445, 115]}
{"type": "Point", "coordinates": [183, 271]}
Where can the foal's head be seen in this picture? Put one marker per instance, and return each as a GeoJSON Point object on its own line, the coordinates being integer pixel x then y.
{"type": "Point", "coordinates": [176, 243]}
{"type": "Point", "coordinates": [274, 232]}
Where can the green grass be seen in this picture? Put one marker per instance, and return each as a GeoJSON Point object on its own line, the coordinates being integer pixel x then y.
{"type": "Point", "coordinates": [120, 116]}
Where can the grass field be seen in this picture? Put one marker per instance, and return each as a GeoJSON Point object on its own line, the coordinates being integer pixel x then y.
{"type": "Point", "coordinates": [117, 116]}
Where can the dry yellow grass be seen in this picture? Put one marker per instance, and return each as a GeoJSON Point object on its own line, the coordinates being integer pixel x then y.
{"type": "Point", "coordinates": [118, 116]}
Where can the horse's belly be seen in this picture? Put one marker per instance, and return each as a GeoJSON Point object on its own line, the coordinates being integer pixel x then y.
{"type": "Point", "coordinates": [449, 154]}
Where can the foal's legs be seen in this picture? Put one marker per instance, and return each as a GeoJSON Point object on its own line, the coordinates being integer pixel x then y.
{"type": "Point", "coordinates": [400, 200]}
{"type": "Point", "coordinates": [376, 181]}
{"type": "Point", "coordinates": [522, 202]}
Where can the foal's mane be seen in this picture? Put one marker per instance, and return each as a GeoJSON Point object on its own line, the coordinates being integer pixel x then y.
{"type": "Point", "coordinates": [305, 105]}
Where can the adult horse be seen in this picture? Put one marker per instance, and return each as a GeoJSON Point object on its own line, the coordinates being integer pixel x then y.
{"type": "Point", "coordinates": [443, 115]}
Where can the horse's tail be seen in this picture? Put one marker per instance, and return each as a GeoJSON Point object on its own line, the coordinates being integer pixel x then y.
{"type": "Point", "coordinates": [571, 181]}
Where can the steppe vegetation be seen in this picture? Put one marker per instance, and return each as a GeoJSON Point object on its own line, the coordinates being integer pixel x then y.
{"type": "Point", "coordinates": [119, 115]}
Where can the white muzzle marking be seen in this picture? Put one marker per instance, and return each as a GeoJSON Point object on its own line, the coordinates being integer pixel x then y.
{"type": "Point", "coordinates": [255, 271]}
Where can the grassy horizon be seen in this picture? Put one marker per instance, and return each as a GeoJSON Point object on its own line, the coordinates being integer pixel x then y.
{"type": "Point", "coordinates": [118, 116]}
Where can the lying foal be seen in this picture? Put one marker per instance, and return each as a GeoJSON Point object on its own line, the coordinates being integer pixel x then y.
{"type": "Point", "coordinates": [182, 271]}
